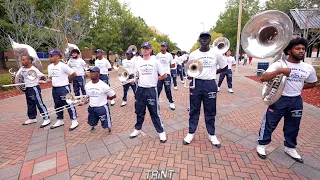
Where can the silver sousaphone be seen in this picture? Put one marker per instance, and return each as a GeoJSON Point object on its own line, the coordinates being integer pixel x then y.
{"type": "Point", "coordinates": [266, 35]}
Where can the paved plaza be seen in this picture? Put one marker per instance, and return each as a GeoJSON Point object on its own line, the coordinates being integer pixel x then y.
{"type": "Point", "coordinates": [28, 152]}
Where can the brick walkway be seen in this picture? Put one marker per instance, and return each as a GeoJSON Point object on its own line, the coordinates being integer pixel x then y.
{"type": "Point", "coordinates": [27, 152]}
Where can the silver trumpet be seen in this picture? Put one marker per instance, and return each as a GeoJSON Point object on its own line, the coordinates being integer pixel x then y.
{"type": "Point", "coordinates": [221, 45]}
{"type": "Point", "coordinates": [266, 35]}
{"type": "Point", "coordinates": [193, 68]}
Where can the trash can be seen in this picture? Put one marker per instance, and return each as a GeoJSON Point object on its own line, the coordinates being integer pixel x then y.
{"type": "Point", "coordinates": [262, 66]}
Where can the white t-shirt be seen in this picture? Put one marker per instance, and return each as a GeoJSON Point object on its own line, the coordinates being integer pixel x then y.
{"type": "Point", "coordinates": [148, 72]}
{"type": "Point", "coordinates": [230, 61]}
{"type": "Point", "coordinates": [179, 60]}
{"type": "Point", "coordinates": [129, 65]}
{"type": "Point", "coordinates": [59, 74]}
{"type": "Point", "coordinates": [77, 65]}
{"type": "Point", "coordinates": [165, 60]}
{"type": "Point", "coordinates": [300, 73]}
{"type": "Point", "coordinates": [98, 93]}
{"type": "Point", "coordinates": [24, 74]}
{"type": "Point", "coordinates": [210, 60]}
{"type": "Point", "coordinates": [136, 58]}
{"type": "Point", "coordinates": [103, 65]}
{"type": "Point", "coordinates": [175, 63]}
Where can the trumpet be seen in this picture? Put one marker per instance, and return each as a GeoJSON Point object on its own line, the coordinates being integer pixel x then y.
{"type": "Point", "coordinates": [193, 69]}
{"type": "Point", "coordinates": [31, 75]}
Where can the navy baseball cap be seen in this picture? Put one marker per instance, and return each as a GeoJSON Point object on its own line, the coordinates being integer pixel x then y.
{"type": "Point", "coordinates": [94, 69]}
{"type": "Point", "coordinates": [146, 44]}
{"type": "Point", "coordinates": [206, 33]}
{"type": "Point", "coordinates": [99, 50]}
{"type": "Point", "coordinates": [55, 52]}
{"type": "Point", "coordinates": [164, 44]}
{"type": "Point", "coordinates": [129, 52]}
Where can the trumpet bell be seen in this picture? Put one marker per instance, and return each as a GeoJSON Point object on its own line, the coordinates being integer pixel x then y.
{"type": "Point", "coordinates": [123, 74]}
{"type": "Point", "coordinates": [266, 34]}
{"type": "Point", "coordinates": [194, 68]}
{"type": "Point", "coordinates": [221, 45]}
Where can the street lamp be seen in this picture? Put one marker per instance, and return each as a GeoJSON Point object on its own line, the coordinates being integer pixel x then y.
{"type": "Point", "coordinates": [202, 26]}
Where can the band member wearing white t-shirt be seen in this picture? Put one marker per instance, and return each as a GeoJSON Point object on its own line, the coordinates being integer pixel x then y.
{"type": "Point", "coordinates": [231, 62]}
{"type": "Point", "coordinates": [174, 71]}
{"type": "Point", "coordinates": [33, 92]}
{"type": "Point", "coordinates": [104, 65]}
{"type": "Point", "coordinates": [99, 93]}
{"type": "Point", "coordinates": [78, 65]}
{"type": "Point", "coordinates": [148, 69]}
{"type": "Point", "coordinates": [180, 70]}
{"type": "Point", "coordinates": [136, 56]}
{"type": "Point", "coordinates": [128, 64]}
{"type": "Point", "coordinates": [59, 74]}
{"type": "Point", "coordinates": [300, 76]}
{"type": "Point", "coordinates": [205, 90]}
{"type": "Point", "coordinates": [166, 60]}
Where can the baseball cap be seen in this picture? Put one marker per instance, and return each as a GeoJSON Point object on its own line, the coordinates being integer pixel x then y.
{"type": "Point", "coordinates": [99, 50]}
{"type": "Point", "coordinates": [129, 52]}
{"type": "Point", "coordinates": [146, 44]}
{"type": "Point", "coordinates": [95, 69]}
{"type": "Point", "coordinates": [205, 33]}
{"type": "Point", "coordinates": [164, 44]}
{"type": "Point", "coordinates": [55, 52]}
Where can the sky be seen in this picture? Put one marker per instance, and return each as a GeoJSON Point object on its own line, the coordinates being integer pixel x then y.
{"type": "Point", "coordinates": [181, 20]}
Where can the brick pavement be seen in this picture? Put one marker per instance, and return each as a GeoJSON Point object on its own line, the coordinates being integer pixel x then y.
{"type": "Point", "coordinates": [28, 152]}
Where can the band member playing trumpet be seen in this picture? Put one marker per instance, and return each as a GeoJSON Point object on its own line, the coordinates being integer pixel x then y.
{"type": "Point", "coordinates": [231, 62]}
{"type": "Point", "coordinates": [104, 65]}
{"type": "Point", "coordinates": [33, 92]}
{"type": "Point", "coordinates": [166, 60]}
{"type": "Point", "coordinates": [148, 69]}
{"type": "Point", "coordinates": [78, 65]}
{"type": "Point", "coordinates": [99, 93]}
{"type": "Point", "coordinates": [129, 65]}
{"type": "Point", "coordinates": [300, 76]}
{"type": "Point", "coordinates": [205, 89]}
{"type": "Point", "coordinates": [59, 74]}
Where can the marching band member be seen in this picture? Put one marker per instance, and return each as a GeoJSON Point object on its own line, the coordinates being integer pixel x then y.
{"type": "Point", "coordinates": [128, 64]}
{"type": "Point", "coordinates": [148, 69]}
{"type": "Point", "coordinates": [174, 72]}
{"type": "Point", "coordinates": [205, 89]}
{"type": "Point", "coordinates": [99, 93]}
{"type": "Point", "coordinates": [78, 65]}
{"type": "Point", "coordinates": [231, 62]}
{"type": "Point", "coordinates": [136, 56]}
{"type": "Point", "coordinates": [33, 92]}
{"type": "Point", "coordinates": [166, 60]}
{"type": "Point", "coordinates": [59, 74]}
{"type": "Point", "coordinates": [179, 61]}
{"type": "Point", "coordinates": [300, 76]}
{"type": "Point", "coordinates": [104, 65]}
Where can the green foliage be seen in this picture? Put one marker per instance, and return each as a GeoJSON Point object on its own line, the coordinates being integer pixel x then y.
{"type": "Point", "coordinates": [5, 79]}
{"type": "Point", "coordinates": [214, 36]}
{"type": "Point", "coordinates": [283, 5]}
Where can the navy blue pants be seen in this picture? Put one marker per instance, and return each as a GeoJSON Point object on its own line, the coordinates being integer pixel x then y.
{"type": "Point", "coordinates": [59, 95]}
{"type": "Point", "coordinates": [104, 78]}
{"type": "Point", "coordinates": [183, 70]}
{"type": "Point", "coordinates": [34, 99]}
{"type": "Point", "coordinates": [174, 77]}
{"type": "Point", "coordinates": [205, 91]}
{"type": "Point", "coordinates": [79, 83]}
{"type": "Point", "coordinates": [148, 97]}
{"type": "Point", "coordinates": [291, 109]}
{"type": "Point", "coordinates": [101, 113]}
{"type": "Point", "coordinates": [167, 87]}
{"type": "Point", "coordinates": [227, 73]}
{"type": "Point", "coordinates": [127, 86]}
{"type": "Point", "coordinates": [180, 72]}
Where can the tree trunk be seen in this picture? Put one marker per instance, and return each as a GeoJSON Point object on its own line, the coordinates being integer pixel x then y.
{"type": "Point", "coordinates": [2, 61]}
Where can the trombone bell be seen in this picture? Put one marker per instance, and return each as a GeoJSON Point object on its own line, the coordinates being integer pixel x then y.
{"type": "Point", "coordinates": [221, 45]}
{"type": "Point", "coordinates": [123, 74]}
{"type": "Point", "coordinates": [32, 75]}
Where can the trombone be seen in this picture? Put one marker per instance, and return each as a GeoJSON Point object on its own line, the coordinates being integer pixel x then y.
{"type": "Point", "coordinates": [221, 45]}
{"type": "Point", "coordinates": [31, 75]}
{"type": "Point", "coordinates": [193, 69]}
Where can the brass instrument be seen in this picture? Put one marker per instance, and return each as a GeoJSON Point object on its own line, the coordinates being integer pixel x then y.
{"type": "Point", "coordinates": [221, 45]}
{"type": "Point", "coordinates": [193, 68]}
{"type": "Point", "coordinates": [266, 35]}
{"type": "Point", "coordinates": [133, 48]}
{"type": "Point", "coordinates": [31, 75]}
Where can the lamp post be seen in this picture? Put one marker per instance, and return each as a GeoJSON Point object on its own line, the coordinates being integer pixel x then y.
{"type": "Point", "coordinates": [202, 26]}
{"type": "Point", "coordinates": [238, 35]}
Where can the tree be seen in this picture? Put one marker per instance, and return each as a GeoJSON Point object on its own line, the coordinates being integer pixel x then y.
{"type": "Point", "coordinates": [283, 5]}
{"type": "Point", "coordinates": [214, 36]}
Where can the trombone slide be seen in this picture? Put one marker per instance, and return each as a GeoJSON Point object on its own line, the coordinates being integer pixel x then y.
{"type": "Point", "coordinates": [19, 84]}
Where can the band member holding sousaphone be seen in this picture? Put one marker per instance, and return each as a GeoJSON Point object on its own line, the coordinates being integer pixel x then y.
{"type": "Point", "coordinates": [59, 74]}
{"type": "Point", "coordinates": [148, 69]}
{"type": "Point", "coordinates": [300, 76]}
{"type": "Point", "coordinates": [129, 65]}
{"type": "Point", "coordinates": [205, 88]}
{"type": "Point", "coordinates": [78, 65]}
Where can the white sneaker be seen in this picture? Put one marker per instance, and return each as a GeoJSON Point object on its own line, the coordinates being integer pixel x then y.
{"type": "Point", "coordinates": [112, 102]}
{"type": "Point", "coordinates": [214, 140]}
{"type": "Point", "coordinates": [230, 90]}
{"type": "Point", "coordinates": [172, 106]}
{"type": "Point", "coordinates": [261, 150]}
{"type": "Point", "coordinates": [188, 139]}
{"type": "Point", "coordinates": [45, 123]}
{"type": "Point", "coordinates": [182, 82]}
{"type": "Point", "coordinates": [74, 125]}
{"type": "Point", "coordinates": [175, 88]}
{"type": "Point", "coordinates": [163, 137]}
{"type": "Point", "coordinates": [135, 133]}
{"type": "Point", "coordinates": [293, 154]}
{"type": "Point", "coordinates": [123, 103]}
{"type": "Point", "coordinates": [218, 89]}
{"type": "Point", "coordinates": [57, 124]}
{"type": "Point", "coordinates": [30, 121]}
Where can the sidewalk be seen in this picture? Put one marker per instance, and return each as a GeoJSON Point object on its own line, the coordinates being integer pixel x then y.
{"type": "Point", "coordinates": [27, 152]}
